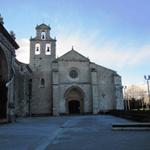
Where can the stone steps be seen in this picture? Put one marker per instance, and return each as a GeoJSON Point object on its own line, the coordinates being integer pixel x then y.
{"type": "Point", "coordinates": [3, 121]}
{"type": "Point", "coordinates": [131, 126]}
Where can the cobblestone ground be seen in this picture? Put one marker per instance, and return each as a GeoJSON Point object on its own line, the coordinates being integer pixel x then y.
{"type": "Point", "coordinates": [71, 133]}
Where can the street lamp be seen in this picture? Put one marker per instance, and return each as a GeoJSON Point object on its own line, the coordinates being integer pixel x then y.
{"type": "Point", "coordinates": [124, 88]}
{"type": "Point", "coordinates": [125, 97]}
{"type": "Point", "coordinates": [147, 78]}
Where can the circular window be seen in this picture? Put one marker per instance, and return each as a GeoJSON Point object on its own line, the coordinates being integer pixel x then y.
{"type": "Point", "coordinates": [73, 73]}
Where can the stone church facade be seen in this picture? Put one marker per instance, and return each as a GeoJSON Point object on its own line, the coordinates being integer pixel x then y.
{"type": "Point", "coordinates": [71, 83]}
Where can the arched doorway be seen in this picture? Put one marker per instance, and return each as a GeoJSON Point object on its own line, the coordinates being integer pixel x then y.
{"type": "Point", "coordinates": [3, 89]}
{"type": "Point", "coordinates": [74, 100]}
{"type": "Point", "coordinates": [74, 107]}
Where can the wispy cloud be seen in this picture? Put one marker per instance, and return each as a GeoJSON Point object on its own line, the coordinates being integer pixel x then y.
{"type": "Point", "coordinates": [109, 53]}
{"type": "Point", "coordinates": [105, 52]}
{"type": "Point", "coordinates": [22, 54]}
{"type": "Point", "coordinates": [141, 55]}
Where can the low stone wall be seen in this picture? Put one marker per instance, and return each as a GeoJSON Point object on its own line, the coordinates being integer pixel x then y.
{"type": "Point", "coordinates": [138, 116]}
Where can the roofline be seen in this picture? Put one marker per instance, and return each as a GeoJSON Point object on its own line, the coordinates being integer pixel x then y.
{"type": "Point", "coordinates": [59, 58]}
{"type": "Point", "coordinates": [26, 65]}
{"type": "Point", "coordinates": [103, 67]}
{"type": "Point", "coordinates": [8, 36]}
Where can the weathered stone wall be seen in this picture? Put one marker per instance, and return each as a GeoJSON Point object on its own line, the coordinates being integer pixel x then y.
{"type": "Point", "coordinates": [96, 82]}
{"type": "Point", "coordinates": [41, 95]}
{"type": "Point", "coordinates": [7, 48]}
{"type": "Point", "coordinates": [118, 92]}
{"type": "Point", "coordinates": [65, 82]}
{"type": "Point", "coordinates": [22, 93]}
{"type": "Point", "coordinates": [107, 99]}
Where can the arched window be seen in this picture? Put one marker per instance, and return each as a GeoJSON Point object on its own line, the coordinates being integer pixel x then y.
{"type": "Point", "coordinates": [48, 49]}
{"type": "Point", "coordinates": [42, 83]}
{"type": "Point", "coordinates": [43, 35]}
{"type": "Point", "coordinates": [37, 49]}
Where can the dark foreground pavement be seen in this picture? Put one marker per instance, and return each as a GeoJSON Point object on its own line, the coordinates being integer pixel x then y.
{"type": "Point", "coordinates": [71, 133]}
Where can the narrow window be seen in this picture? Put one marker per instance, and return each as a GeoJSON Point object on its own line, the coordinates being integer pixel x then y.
{"type": "Point", "coordinates": [43, 35]}
{"type": "Point", "coordinates": [21, 69]}
{"type": "Point", "coordinates": [48, 49]}
{"type": "Point", "coordinates": [37, 49]}
{"type": "Point", "coordinates": [30, 88]}
{"type": "Point", "coordinates": [42, 83]}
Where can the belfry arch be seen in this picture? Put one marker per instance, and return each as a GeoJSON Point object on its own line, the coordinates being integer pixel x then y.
{"type": "Point", "coordinates": [74, 98]}
{"type": "Point", "coordinates": [3, 89]}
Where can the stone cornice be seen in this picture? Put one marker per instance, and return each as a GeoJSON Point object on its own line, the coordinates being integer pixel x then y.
{"type": "Point", "coordinates": [8, 36]}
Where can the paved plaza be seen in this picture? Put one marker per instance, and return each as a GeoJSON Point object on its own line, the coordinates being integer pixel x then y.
{"type": "Point", "coordinates": [71, 133]}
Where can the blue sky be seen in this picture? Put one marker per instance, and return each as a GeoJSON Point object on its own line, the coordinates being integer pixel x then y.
{"type": "Point", "coordinates": [112, 33]}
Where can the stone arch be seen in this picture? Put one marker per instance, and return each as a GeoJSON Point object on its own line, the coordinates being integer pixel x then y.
{"type": "Point", "coordinates": [74, 99]}
{"type": "Point", "coordinates": [3, 88]}
{"type": "Point", "coordinates": [3, 66]}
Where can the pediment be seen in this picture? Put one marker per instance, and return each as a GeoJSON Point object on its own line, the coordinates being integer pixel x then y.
{"type": "Point", "coordinates": [73, 56]}
{"type": "Point", "coordinates": [43, 26]}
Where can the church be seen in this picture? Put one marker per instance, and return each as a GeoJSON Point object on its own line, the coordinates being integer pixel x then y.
{"type": "Point", "coordinates": [70, 84]}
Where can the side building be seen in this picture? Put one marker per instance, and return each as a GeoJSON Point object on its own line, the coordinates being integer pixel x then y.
{"type": "Point", "coordinates": [14, 79]}
{"type": "Point", "coordinates": [23, 89]}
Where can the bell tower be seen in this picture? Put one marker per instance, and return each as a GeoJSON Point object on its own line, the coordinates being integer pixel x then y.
{"type": "Point", "coordinates": [42, 47]}
{"type": "Point", "coordinates": [42, 53]}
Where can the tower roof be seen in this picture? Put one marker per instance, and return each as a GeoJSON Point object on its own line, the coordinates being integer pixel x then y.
{"type": "Point", "coordinates": [43, 26]}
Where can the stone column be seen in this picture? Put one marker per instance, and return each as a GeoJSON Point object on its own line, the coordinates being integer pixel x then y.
{"type": "Point", "coordinates": [118, 93]}
{"type": "Point", "coordinates": [55, 93]}
{"type": "Point", "coordinates": [11, 93]}
{"type": "Point", "coordinates": [11, 103]}
{"type": "Point", "coordinates": [95, 91]}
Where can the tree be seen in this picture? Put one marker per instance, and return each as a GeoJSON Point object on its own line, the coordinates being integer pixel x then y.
{"type": "Point", "coordinates": [134, 97]}
{"type": "Point", "coordinates": [135, 92]}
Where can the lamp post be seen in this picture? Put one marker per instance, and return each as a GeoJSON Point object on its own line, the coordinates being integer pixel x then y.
{"type": "Point", "coordinates": [147, 78]}
{"type": "Point", "coordinates": [125, 97]}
